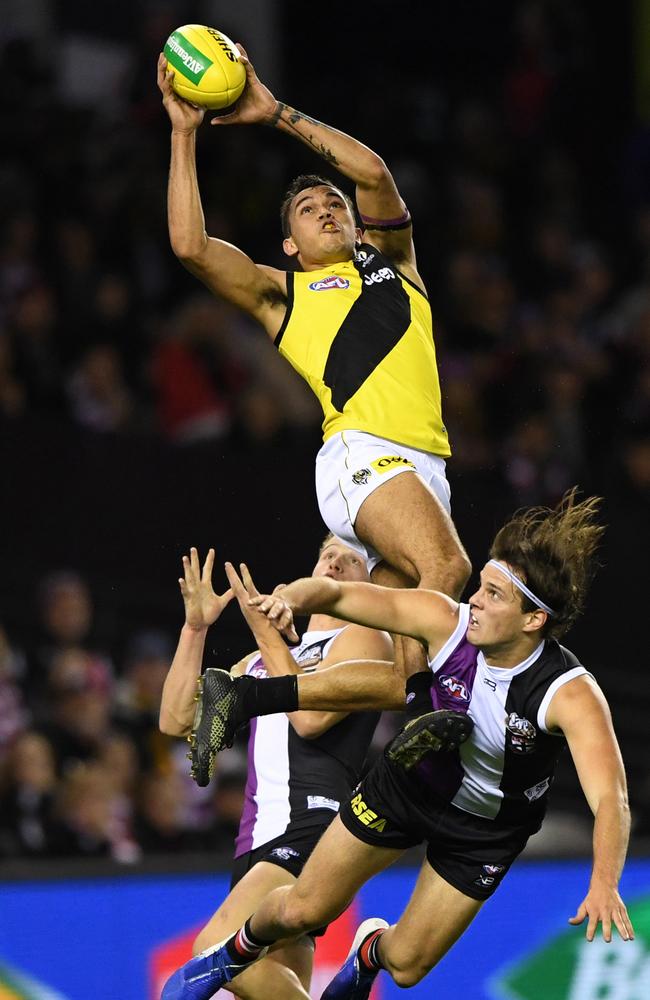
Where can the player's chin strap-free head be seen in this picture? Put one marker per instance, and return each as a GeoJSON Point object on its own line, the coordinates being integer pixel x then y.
{"type": "Point", "coordinates": [522, 587]}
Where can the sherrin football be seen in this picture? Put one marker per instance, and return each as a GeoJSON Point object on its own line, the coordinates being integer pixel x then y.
{"type": "Point", "coordinates": [206, 64]}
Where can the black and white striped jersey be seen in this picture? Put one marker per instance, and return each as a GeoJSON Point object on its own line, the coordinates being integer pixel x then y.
{"type": "Point", "coordinates": [295, 783]}
{"type": "Point", "coordinates": [505, 768]}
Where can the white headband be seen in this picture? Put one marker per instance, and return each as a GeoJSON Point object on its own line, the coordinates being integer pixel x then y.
{"type": "Point", "coordinates": [522, 586]}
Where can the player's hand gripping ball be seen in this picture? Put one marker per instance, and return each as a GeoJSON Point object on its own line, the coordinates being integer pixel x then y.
{"type": "Point", "coordinates": [207, 66]}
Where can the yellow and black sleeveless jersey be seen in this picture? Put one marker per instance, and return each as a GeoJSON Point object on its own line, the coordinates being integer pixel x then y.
{"type": "Point", "coordinates": [360, 333]}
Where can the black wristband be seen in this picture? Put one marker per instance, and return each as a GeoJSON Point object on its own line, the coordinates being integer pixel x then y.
{"type": "Point", "coordinates": [418, 694]}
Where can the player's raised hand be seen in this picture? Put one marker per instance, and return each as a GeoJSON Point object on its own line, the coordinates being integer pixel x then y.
{"type": "Point", "coordinates": [247, 594]}
{"type": "Point", "coordinates": [202, 605]}
{"type": "Point", "coordinates": [185, 117]}
{"type": "Point", "coordinates": [277, 611]}
{"type": "Point", "coordinates": [256, 106]}
{"type": "Point", "coordinates": [604, 906]}
{"type": "Point", "coordinates": [243, 588]}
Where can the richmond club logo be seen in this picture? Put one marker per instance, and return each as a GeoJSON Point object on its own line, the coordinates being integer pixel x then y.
{"type": "Point", "coordinates": [333, 281]}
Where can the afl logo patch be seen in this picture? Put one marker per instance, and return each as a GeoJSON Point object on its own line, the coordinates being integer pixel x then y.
{"type": "Point", "coordinates": [455, 687]}
{"type": "Point", "coordinates": [333, 281]}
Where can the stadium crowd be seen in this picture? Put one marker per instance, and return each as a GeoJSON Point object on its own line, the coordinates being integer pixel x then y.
{"type": "Point", "coordinates": [534, 241]}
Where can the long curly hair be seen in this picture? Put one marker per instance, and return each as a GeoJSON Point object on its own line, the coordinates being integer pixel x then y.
{"type": "Point", "coordinates": [553, 551]}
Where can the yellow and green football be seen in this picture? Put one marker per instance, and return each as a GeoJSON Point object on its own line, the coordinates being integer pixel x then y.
{"type": "Point", "coordinates": [207, 66]}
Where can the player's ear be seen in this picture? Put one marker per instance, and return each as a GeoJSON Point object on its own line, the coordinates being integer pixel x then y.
{"type": "Point", "coordinates": [289, 247]}
{"type": "Point", "coordinates": [535, 620]}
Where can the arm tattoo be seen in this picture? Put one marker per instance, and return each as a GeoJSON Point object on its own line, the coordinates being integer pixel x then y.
{"type": "Point", "coordinates": [277, 114]}
{"type": "Point", "coordinates": [292, 121]}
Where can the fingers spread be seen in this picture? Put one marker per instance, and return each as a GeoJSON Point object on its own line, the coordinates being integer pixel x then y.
{"type": "Point", "coordinates": [207, 566]}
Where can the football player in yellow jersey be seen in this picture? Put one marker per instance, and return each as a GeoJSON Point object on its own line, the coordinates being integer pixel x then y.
{"type": "Point", "coordinates": [353, 318]}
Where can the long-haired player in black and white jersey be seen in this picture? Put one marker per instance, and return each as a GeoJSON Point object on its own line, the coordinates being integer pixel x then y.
{"type": "Point", "coordinates": [301, 766]}
{"type": "Point", "coordinates": [498, 659]}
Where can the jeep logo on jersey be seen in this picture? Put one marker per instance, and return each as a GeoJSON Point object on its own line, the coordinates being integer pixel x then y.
{"type": "Point", "coordinates": [361, 477]}
{"type": "Point", "coordinates": [455, 687]}
{"type": "Point", "coordinates": [376, 277]}
{"type": "Point", "coordinates": [521, 734]}
{"type": "Point", "coordinates": [323, 284]}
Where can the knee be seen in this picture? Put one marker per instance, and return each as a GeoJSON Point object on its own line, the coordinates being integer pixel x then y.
{"type": "Point", "coordinates": [451, 577]}
{"type": "Point", "coordinates": [460, 570]}
{"type": "Point", "coordinates": [299, 915]}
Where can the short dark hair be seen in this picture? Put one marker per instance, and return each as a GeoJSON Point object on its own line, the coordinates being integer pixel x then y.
{"type": "Point", "coordinates": [301, 183]}
{"type": "Point", "coordinates": [553, 551]}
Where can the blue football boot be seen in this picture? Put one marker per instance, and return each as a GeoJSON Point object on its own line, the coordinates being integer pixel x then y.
{"type": "Point", "coordinates": [203, 975]}
{"type": "Point", "coordinates": [352, 982]}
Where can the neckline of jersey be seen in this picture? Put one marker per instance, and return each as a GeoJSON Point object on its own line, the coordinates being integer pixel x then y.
{"type": "Point", "coordinates": [504, 673]}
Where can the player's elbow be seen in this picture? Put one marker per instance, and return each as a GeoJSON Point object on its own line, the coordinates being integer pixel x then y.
{"type": "Point", "coordinates": [376, 173]}
{"type": "Point", "coordinates": [188, 247]}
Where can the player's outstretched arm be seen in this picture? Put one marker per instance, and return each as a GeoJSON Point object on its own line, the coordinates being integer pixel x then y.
{"type": "Point", "coordinates": [358, 672]}
{"type": "Point", "coordinates": [226, 270]}
{"type": "Point", "coordinates": [380, 205]}
{"type": "Point", "coordinates": [426, 615]}
{"type": "Point", "coordinates": [580, 710]}
{"type": "Point", "coordinates": [202, 608]}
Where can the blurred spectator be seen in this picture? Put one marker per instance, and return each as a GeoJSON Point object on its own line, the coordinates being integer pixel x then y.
{"type": "Point", "coordinates": [13, 712]}
{"type": "Point", "coordinates": [160, 827]}
{"type": "Point", "coordinates": [228, 803]}
{"type": "Point", "coordinates": [65, 620]}
{"type": "Point", "coordinates": [12, 392]}
{"type": "Point", "coordinates": [83, 813]}
{"type": "Point", "coordinates": [118, 755]}
{"type": "Point", "coordinates": [196, 372]}
{"type": "Point", "coordinates": [533, 468]}
{"type": "Point", "coordinates": [32, 325]}
{"type": "Point", "coordinates": [138, 693]}
{"type": "Point", "coordinates": [26, 806]}
{"type": "Point", "coordinates": [79, 696]}
{"type": "Point", "coordinates": [19, 269]}
{"type": "Point", "coordinates": [97, 392]}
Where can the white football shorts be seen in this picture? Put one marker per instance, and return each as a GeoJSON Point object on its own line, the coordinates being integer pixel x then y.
{"type": "Point", "coordinates": [353, 464]}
